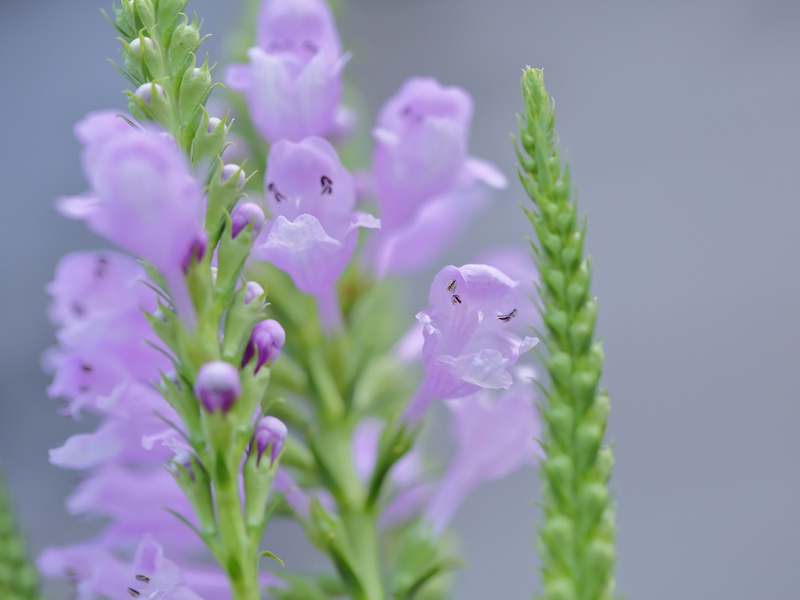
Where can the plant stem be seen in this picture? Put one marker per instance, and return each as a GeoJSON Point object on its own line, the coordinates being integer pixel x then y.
{"type": "Point", "coordinates": [237, 551]}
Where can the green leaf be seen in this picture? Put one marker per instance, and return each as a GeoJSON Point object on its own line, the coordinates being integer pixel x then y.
{"type": "Point", "coordinates": [268, 554]}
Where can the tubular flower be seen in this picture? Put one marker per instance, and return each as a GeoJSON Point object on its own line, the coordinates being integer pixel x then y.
{"type": "Point", "coordinates": [315, 230]}
{"type": "Point", "coordinates": [470, 342]}
{"type": "Point", "coordinates": [424, 179]}
{"type": "Point", "coordinates": [143, 197]}
{"type": "Point", "coordinates": [293, 82]}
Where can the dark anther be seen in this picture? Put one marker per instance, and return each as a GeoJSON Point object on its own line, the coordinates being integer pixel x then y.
{"type": "Point", "coordinates": [274, 191]}
{"type": "Point", "coordinates": [327, 185]}
{"type": "Point", "coordinates": [406, 110]}
{"type": "Point", "coordinates": [83, 389]}
{"type": "Point", "coordinates": [310, 46]}
{"type": "Point", "coordinates": [456, 299]}
{"type": "Point", "coordinates": [134, 593]}
{"type": "Point", "coordinates": [87, 368]}
{"type": "Point", "coordinates": [451, 286]}
{"type": "Point", "coordinates": [101, 267]}
{"type": "Point", "coordinates": [77, 309]}
{"type": "Point", "coordinates": [508, 317]}
{"type": "Point", "coordinates": [143, 578]}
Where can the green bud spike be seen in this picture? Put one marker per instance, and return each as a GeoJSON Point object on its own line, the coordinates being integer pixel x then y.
{"type": "Point", "coordinates": [19, 579]}
{"type": "Point", "coordinates": [576, 539]}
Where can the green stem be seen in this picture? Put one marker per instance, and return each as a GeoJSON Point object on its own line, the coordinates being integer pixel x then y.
{"type": "Point", "coordinates": [237, 552]}
{"type": "Point", "coordinates": [362, 531]}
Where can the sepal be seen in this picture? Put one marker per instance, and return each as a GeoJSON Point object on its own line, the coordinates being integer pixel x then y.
{"type": "Point", "coordinates": [258, 476]}
{"type": "Point", "coordinates": [192, 477]}
{"type": "Point", "coordinates": [150, 103]}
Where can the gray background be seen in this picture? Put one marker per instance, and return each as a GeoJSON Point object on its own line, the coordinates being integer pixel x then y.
{"type": "Point", "coordinates": [681, 119]}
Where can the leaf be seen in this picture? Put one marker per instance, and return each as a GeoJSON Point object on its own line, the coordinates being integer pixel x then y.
{"type": "Point", "coordinates": [268, 554]}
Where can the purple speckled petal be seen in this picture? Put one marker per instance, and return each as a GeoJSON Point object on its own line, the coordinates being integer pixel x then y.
{"type": "Point", "coordinates": [297, 26]}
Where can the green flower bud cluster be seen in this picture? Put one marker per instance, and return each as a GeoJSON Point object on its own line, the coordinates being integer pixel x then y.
{"type": "Point", "coordinates": [159, 59]}
{"type": "Point", "coordinates": [577, 533]}
{"type": "Point", "coordinates": [19, 579]}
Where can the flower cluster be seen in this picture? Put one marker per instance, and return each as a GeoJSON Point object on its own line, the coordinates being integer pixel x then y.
{"type": "Point", "coordinates": [247, 341]}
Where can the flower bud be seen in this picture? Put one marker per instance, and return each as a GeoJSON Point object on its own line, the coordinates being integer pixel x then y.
{"type": "Point", "coordinates": [145, 91]}
{"type": "Point", "coordinates": [212, 124]}
{"type": "Point", "coordinates": [229, 170]}
{"type": "Point", "coordinates": [266, 340]}
{"type": "Point", "coordinates": [270, 433]}
{"type": "Point", "coordinates": [252, 291]}
{"type": "Point", "coordinates": [136, 44]}
{"type": "Point", "coordinates": [217, 385]}
{"type": "Point", "coordinates": [244, 214]}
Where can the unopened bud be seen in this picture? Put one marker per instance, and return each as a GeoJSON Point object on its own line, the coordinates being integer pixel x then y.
{"type": "Point", "coordinates": [212, 124]}
{"type": "Point", "coordinates": [243, 215]}
{"type": "Point", "coordinates": [252, 291]}
{"type": "Point", "coordinates": [230, 170]}
{"type": "Point", "coordinates": [145, 91]}
{"type": "Point", "coordinates": [136, 44]}
{"type": "Point", "coordinates": [270, 433]}
{"type": "Point", "coordinates": [266, 341]}
{"type": "Point", "coordinates": [217, 386]}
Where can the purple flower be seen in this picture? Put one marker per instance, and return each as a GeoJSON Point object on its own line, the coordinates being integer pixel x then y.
{"type": "Point", "coordinates": [424, 179]}
{"type": "Point", "coordinates": [315, 229]}
{"type": "Point", "coordinates": [293, 81]}
{"type": "Point", "coordinates": [156, 576]}
{"type": "Point", "coordinates": [470, 342]}
{"type": "Point", "coordinates": [266, 341]}
{"type": "Point", "coordinates": [98, 299]}
{"type": "Point", "coordinates": [494, 437]}
{"type": "Point", "coordinates": [217, 385]}
{"type": "Point", "coordinates": [271, 433]}
{"type": "Point", "coordinates": [143, 198]}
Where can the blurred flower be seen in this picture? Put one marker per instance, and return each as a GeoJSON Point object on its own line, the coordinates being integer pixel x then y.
{"type": "Point", "coordinates": [293, 81]}
{"type": "Point", "coordinates": [424, 179]}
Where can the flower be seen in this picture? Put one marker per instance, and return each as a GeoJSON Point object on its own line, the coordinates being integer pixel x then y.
{"type": "Point", "coordinates": [293, 81]}
{"type": "Point", "coordinates": [469, 335]}
{"type": "Point", "coordinates": [143, 198]}
{"type": "Point", "coordinates": [424, 179]}
{"type": "Point", "coordinates": [315, 229]}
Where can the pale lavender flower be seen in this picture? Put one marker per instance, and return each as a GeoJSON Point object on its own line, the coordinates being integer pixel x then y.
{"type": "Point", "coordinates": [470, 342]}
{"type": "Point", "coordinates": [266, 341]}
{"type": "Point", "coordinates": [270, 433]}
{"type": "Point", "coordinates": [217, 386]}
{"type": "Point", "coordinates": [293, 82]}
{"type": "Point", "coordinates": [98, 299]}
{"type": "Point", "coordinates": [93, 571]}
{"type": "Point", "coordinates": [143, 198]}
{"type": "Point", "coordinates": [156, 576]}
{"type": "Point", "coordinates": [495, 435]}
{"type": "Point", "coordinates": [424, 179]}
{"type": "Point", "coordinates": [104, 365]}
{"type": "Point", "coordinates": [315, 229]}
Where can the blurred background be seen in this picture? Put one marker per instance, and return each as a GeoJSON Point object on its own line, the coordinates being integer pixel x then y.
{"type": "Point", "coordinates": [682, 122]}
